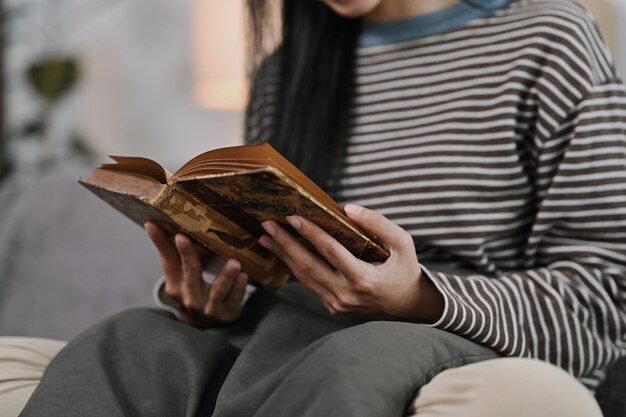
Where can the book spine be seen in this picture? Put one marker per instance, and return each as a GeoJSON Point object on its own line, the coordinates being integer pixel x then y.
{"type": "Point", "coordinates": [164, 196]}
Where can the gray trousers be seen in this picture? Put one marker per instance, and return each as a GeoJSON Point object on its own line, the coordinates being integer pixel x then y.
{"type": "Point", "coordinates": [285, 357]}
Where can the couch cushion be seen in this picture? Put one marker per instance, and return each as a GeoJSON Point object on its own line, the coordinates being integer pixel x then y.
{"type": "Point", "coordinates": [67, 259]}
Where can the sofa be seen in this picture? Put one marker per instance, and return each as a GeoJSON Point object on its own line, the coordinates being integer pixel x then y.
{"type": "Point", "coordinates": [67, 260]}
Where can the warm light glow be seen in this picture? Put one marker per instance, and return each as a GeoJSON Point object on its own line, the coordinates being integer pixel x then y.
{"type": "Point", "coordinates": [224, 94]}
{"type": "Point", "coordinates": [219, 49]}
{"type": "Point", "coordinates": [604, 13]}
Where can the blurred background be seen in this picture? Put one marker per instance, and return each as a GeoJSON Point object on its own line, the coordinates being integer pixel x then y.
{"type": "Point", "coordinates": [91, 77]}
{"type": "Point", "coordinates": [82, 79]}
{"type": "Point", "coordinates": [159, 78]}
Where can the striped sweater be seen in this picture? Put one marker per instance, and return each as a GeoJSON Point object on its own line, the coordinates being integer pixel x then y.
{"type": "Point", "coordinates": [500, 146]}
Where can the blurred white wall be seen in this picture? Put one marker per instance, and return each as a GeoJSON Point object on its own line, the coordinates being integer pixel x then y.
{"type": "Point", "coordinates": [136, 94]}
{"type": "Point", "coordinates": [37, 28]}
{"type": "Point", "coordinates": [139, 85]}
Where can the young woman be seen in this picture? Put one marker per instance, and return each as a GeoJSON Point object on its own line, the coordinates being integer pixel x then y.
{"type": "Point", "coordinates": [487, 140]}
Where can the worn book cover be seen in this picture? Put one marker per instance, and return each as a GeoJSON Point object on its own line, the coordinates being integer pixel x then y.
{"type": "Point", "coordinates": [221, 197]}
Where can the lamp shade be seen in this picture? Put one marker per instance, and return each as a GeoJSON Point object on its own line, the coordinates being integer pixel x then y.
{"type": "Point", "coordinates": [219, 54]}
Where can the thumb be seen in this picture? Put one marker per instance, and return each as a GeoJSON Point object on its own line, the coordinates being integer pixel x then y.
{"type": "Point", "coordinates": [392, 235]}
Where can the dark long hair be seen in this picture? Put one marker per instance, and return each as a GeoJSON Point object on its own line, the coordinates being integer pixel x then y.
{"type": "Point", "coordinates": [316, 54]}
{"type": "Point", "coordinates": [316, 51]}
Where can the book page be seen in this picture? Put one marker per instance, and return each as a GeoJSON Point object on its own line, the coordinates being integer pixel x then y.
{"type": "Point", "coordinates": [140, 166]}
{"type": "Point", "coordinates": [131, 183]}
{"type": "Point", "coordinates": [266, 194]}
{"type": "Point", "coordinates": [257, 156]}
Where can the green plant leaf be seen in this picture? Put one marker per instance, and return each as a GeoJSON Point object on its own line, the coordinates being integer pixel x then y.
{"type": "Point", "coordinates": [53, 77]}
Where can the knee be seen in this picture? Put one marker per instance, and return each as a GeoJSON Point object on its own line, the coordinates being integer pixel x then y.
{"type": "Point", "coordinates": [146, 329]}
{"type": "Point", "coordinates": [350, 348]}
{"type": "Point", "coordinates": [392, 342]}
{"type": "Point", "coordinates": [132, 323]}
{"type": "Point", "coordinates": [381, 345]}
{"type": "Point", "coordinates": [512, 387]}
{"type": "Point", "coordinates": [137, 314]}
{"type": "Point", "coordinates": [378, 334]}
{"type": "Point", "coordinates": [369, 337]}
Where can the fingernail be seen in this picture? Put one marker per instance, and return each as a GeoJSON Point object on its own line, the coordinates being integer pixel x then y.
{"type": "Point", "coordinates": [294, 222]}
{"type": "Point", "coordinates": [265, 242]}
{"type": "Point", "coordinates": [269, 228]}
{"type": "Point", "coordinates": [180, 240]}
{"type": "Point", "coordinates": [353, 210]}
{"type": "Point", "coordinates": [147, 227]}
{"type": "Point", "coordinates": [233, 266]}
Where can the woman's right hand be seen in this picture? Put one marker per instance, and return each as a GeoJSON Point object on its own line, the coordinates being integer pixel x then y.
{"type": "Point", "coordinates": [201, 304]}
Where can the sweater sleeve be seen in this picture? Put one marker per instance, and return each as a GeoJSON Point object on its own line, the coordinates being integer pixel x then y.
{"type": "Point", "coordinates": [568, 306]}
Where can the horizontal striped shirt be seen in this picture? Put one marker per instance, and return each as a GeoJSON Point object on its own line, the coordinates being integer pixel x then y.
{"type": "Point", "coordinates": [500, 146]}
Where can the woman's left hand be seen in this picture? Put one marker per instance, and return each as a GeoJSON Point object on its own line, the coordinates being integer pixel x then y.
{"type": "Point", "coordinates": [396, 289]}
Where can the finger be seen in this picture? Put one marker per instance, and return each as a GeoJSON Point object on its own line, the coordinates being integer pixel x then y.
{"type": "Point", "coordinates": [192, 283]}
{"type": "Point", "coordinates": [222, 285]}
{"type": "Point", "coordinates": [327, 246]}
{"type": "Point", "coordinates": [310, 271]}
{"type": "Point", "coordinates": [238, 290]}
{"type": "Point", "coordinates": [170, 260]}
{"type": "Point", "coordinates": [392, 235]}
{"type": "Point", "coordinates": [306, 264]}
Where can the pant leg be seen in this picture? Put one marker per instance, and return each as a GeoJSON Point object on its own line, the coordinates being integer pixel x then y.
{"type": "Point", "coordinates": [144, 362]}
{"type": "Point", "coordinates": [138, 363]}
{"type": "Point", "coordinates": [371, 369]}
{"type": "Point", "coordinates": [511, 387]}
{"type": "Point", "coordinates": [22, 363]}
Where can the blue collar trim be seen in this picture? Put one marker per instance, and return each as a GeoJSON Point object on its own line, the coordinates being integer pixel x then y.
{"type": "Point", "coordinates": [383, 33]}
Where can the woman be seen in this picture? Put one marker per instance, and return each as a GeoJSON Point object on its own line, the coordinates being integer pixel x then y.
{"type": "Point", "coordinates": [487, 140]}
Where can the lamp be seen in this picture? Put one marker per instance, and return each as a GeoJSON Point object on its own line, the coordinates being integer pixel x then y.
{"type": "Point", "coordinates": [219, 50]}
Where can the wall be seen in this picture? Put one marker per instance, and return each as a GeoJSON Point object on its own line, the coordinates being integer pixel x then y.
{"type": "Point", "coordinates": [611, 17]}
{"type": "Point", "coordinates": [139, 85]}
{"type": "Point", "coordinates": [136, 95]}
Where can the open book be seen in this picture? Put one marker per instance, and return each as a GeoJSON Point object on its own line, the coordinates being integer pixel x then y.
{"type": "Point", "coordinates": [220, 198]}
